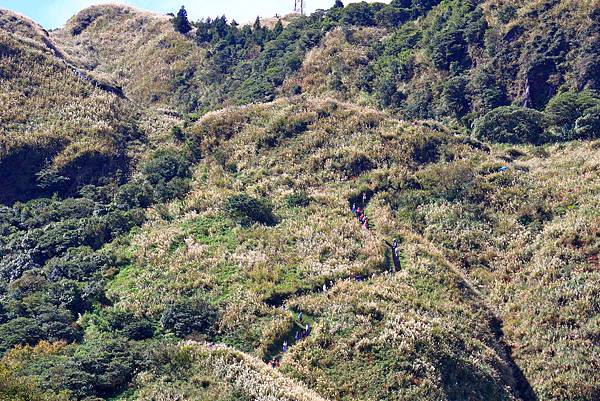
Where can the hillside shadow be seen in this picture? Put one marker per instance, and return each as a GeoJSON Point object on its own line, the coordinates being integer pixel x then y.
{"type": "Point", "coordinates": [523, 387]}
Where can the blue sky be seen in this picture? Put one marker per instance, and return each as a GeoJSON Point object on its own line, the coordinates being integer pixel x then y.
{"type": "Point", "coordinates": [54, 13]}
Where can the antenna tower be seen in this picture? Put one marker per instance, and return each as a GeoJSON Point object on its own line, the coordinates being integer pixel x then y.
{"type": "Point", "coordinates": [299, 6]}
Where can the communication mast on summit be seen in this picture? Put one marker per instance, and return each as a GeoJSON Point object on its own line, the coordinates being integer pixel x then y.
{"type": "Point", "coordinates": [299, 6]}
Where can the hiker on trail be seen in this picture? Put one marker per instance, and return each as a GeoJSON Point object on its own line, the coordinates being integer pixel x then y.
{"type": "Point", "coordinates": [285, 346]}
{"type": "Point", "coordinates": [354, 208]}
{"type": "Point", "coordinates": [297, 336]}
{"type": "Point", "coordinates": [300, 316]}
{"type": "Point", "coordinates": [307, 329]}
{"type": "Point", "coordinates": [395, 254]}
{"type": "Point", "coordinates": [358, 212]}
{"type": "Point", "coordinates": [364, 198]}
{"type": "Point", "coordinates": [366, 223]}
{"type": "Point", "coordinates": [324, 287]}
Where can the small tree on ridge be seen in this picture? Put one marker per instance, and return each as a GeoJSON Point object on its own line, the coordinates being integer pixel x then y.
{"type": "Point", "coordinates": [181, 23]}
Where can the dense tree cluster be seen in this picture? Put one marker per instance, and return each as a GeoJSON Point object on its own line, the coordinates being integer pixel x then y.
{"type": "Point", "coordinates": [54, 265]}
{"type": "Point", "coordinates": [250, 63]}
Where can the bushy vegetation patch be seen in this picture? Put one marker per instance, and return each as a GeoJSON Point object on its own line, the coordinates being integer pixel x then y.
{"type": "Point", "coordinates": [247, 210]}
{"type": "Point", "coordinates": [168, 173]}
{"type": "Point", "coordinates": [511, 125]}
{"type": "Point", "coordinates": [194, 316]}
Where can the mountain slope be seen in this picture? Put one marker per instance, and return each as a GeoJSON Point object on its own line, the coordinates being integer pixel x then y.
{"type": "Point", "coordinates": [136, 50]}
{"type": "Point", "coordinates": [462, 59]}
{"type": "Point", "coordinates": [176, 209]}
{"type": "Point", "coordinates": [59, 129]}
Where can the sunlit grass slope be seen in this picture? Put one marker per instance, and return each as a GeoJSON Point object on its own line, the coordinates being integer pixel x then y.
{"type": "Point", "coordinates": [137, 50]}
{"type": "Point", "coordinates": [58, 129]}
{"type": "Point", "coordinates": [418, 334]}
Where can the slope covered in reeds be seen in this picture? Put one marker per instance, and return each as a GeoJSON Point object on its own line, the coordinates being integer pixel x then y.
{"type": "Point", "coordinates": [176, 209]}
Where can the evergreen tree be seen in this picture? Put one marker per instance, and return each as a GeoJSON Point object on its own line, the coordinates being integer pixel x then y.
{"type": "Point", "coordinates": [258, 32]}
{"type": "Point", "coordinates": [338, 4]}
{"type": "Point", "coordinates": [181, 23]}
{"type": "Point", "coordinates": [278, 28]}
{"type": "Point", "coordinates": [203, 33]}
{"type": "Point", "coordinates": [257, 26]}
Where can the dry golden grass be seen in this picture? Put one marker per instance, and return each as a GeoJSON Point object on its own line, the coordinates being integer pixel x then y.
{"type": "Point", "coordinates": [52, 116]}
{"type": "Point", "coordinates": [137, 50]}
{"type": "Point", "coordinates": [392, 334]}
{"type": "Point", "coordinates": [337, 57]}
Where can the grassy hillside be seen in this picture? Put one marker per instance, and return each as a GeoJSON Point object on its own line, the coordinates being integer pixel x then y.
{"type": "Point", "coordinates": [175, 209]}
{"type": "Point", "coordinates": [59, 131]}
{"type": "Point", "coordinates": [444, 59]}
{"type": "Point", "coordinates": [434, 184]}
{"type": "Point", "coordinates": [138, 51]}
{"type": "Point", "coordinates": [420, 331]}
{"type": "Point", "coordinates": [462, 59]}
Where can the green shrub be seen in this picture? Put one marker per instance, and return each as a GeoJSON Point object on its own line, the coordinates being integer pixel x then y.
{"type": "Point", "coordinates": [57, 324]}
{"type": "Point", "coordinates": [298, 199]}
{"type": "Point", "coordinates": [247, 210]}
{"type": "Point", "coordinates": [165, 166]}
{"type": "Point", "coordinates": [134, 194]}
{"type": "Point", "coordinates": [39, 212]}
{"type": "Point", "coordinates": [101, 368]}
{"type": "Point", "coordinates": [194, 316]}
{"type": "Point", "coordinates": [454, 95]}
{"type": "Point", "coordinates": [511, 125]}
{"type": "Point", "coordinates": [126, 324]}
{"type": "Point", "coordinates": [19, 331]}
{"type": "Point", "coordinates": [173, 189]}
{"type": "Point", "coordinates": [77, 264]}
{"type": "Point", "coordinates": [565, 108]}
{"type": "Point", "coordinates": [168, 173]}
{"type": "Point", "coordinates": [449, 48]}
{"type": "Point", "coordinates": [588, 125]}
